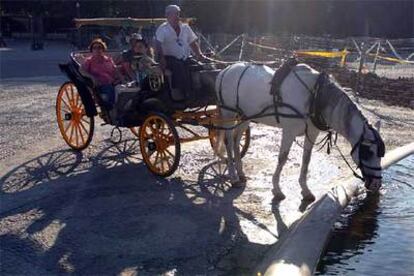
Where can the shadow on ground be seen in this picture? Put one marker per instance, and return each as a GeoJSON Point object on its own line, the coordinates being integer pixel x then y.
{"type": "Point", "coordinates": [67, 212]}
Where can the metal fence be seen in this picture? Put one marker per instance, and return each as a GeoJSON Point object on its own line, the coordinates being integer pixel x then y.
{"type": "Point", "coordinates": [376, 68]}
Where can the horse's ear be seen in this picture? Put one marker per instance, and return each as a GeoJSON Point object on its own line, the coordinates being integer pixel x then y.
{"type": "Point", "coordinates": [377, 125]}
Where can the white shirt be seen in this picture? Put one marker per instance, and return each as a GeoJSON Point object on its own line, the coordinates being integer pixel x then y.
{"type": "Point", "coordinates": [173, 45]}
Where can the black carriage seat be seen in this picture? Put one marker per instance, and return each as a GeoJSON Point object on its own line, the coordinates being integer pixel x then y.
{"type": "Point", "coordinates": [78, 59]}
{"type": "Point", "coordinates": [203, 77]}
{"type": "Point", "coordinates": [201, 82]}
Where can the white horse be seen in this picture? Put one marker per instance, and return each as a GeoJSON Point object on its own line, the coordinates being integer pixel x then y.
{"type": "Point", "coordinates": [244, 88]}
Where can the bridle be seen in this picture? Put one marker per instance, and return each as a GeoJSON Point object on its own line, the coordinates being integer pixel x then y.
{"type": "Point", "coordinates": [364, 153]}
{"type": "Point", "coordinates": [362, 145]}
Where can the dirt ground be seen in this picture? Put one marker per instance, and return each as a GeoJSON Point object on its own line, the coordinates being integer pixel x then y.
{"type": "Point", "coordinates": [102, 212]}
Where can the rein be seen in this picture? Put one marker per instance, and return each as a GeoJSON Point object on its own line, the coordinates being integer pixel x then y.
{"type": "Point", "coordinates": [363, 155]}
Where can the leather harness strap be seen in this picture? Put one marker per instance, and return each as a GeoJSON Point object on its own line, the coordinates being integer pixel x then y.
{"type": "Point", "coordinates": [277, 80]}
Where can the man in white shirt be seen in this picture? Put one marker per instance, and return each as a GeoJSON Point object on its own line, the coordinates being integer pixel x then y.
{"type": "Point", "coordinates": [174, 43]}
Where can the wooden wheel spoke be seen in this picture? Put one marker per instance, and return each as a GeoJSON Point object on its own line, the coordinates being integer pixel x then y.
{"type": "Point", "coordinates": [76, 133]}
{"type": "Point", "coordinates": [146, 135]}
{"type": "Point", "coordinates": [169, 153]}
{"type": "Point", "coordinates": [81, 134]}
{"type": "Point", "coordinates": [151, 153]}
{"type": "Point", "coordinates": [162, 162]}
{"type": "Point", "coordinates": [156, 158]}
{"type": "Point", "coordinates": [85, 120]}
{"type": "Point", "coordinates": [68, 98]}
{"type": "Point", "coordinates": [72, 94]}
{"type": "Point", "coordinates": [71, 133]}
{"type": "Point", "coordinates": [168, 160]}
{"type": "Point", "coordinates": [154, 131]}
{"type": "Point", "coordinates": [78, 103]}
{"type": "Point", "coordinates": [65, 111]}
{"type": "Point", "coordinates": [84, 128]}
{"type": "Point", "coordinates": [68, 126]}
{"type": "Point", "coordinates": [66, 104]}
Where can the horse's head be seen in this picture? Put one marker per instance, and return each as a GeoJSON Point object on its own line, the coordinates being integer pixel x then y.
{"type": "Point", "coordinates": [367, 153]}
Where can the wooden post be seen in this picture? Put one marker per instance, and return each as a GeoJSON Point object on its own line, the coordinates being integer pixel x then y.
{"type": "Point", "coordinates": [361, 65]}
{"type": "Point", "coordinates": [242, 46]}
{"type": "Point", "coordinates": [376, 57]}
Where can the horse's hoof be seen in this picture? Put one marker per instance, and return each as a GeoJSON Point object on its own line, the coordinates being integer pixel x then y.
{"type": "Point", "coordinates": [243, 178]}
{"type": "Point", "coordinates": [237, 184]}
{"type": "Point", "coordinates": [308, 196]}
{"type": "Point", "coordinates": [277, 195]}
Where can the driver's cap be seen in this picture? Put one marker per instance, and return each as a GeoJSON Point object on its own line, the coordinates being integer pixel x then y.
{"type": "Point", "coordinates": [172, 8]}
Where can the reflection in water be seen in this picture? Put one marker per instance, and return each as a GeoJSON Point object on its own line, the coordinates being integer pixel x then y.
{"type": "Point", "coordinates": [375, 236]}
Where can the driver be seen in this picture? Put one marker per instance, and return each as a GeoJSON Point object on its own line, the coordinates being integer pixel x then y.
{"type": "Point", "coordinates": [174, 43]}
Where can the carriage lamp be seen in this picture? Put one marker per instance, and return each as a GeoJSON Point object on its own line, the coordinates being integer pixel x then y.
{"type": "Point", "coordinates": [155, 81]}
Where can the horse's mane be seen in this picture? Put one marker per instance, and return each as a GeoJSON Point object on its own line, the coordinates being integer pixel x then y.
{"type": "Point", "coordinates": [332, 93]}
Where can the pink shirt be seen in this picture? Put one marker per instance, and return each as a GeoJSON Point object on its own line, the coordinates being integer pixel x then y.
{"type": "Point", "coordinates": [102, 68]}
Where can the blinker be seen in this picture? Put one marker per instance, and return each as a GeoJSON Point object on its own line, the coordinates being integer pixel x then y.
{"type": "Point", "coordinates": [364, 152]}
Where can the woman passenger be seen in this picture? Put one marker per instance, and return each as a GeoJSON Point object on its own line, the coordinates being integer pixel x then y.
{"type": "Point", "coordinates": [104, 70]}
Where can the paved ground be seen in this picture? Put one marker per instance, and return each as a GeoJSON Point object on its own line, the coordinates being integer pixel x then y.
{"type": "Point", "coordinates": [101, 211]}
{"type": "Point", "coordinates": [19, 61]}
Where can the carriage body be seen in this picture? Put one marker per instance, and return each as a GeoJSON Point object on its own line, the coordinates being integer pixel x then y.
{"type": "Point", "coordinates": [153, 113]}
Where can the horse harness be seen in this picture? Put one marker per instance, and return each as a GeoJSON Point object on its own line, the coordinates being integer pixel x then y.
{"type": "Point", "coordinates": [277, 101]}
{"type": "Point", "coordinates": [314, 115]}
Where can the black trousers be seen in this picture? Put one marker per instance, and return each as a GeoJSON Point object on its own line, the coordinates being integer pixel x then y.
{"type": "Point", "coordinates": [181, 77]}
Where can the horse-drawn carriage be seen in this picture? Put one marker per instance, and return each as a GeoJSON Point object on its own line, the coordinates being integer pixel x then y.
{"type": "Point", "coordinates": [153, 112]}
{"type": "Point", "coordinates": [296, 98]}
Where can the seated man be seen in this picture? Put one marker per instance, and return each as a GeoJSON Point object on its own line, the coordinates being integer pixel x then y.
{"type": "Point", "coordinates": [174, 42]}
{"type": "Point", "coordinates": [103, 69]}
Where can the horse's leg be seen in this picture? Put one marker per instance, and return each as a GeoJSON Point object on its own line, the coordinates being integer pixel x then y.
{"type": "Point", "coordinates": [237, 154]}
{"type": "Point", "coordinates": [310, 138]}
{"type": "Point", "coordinates": [287, 140]}
{"type": "Point", "coordinates": [229, 141]}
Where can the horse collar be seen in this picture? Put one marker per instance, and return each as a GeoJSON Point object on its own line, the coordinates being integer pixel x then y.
{"type": "Point", "coordinates": [315, 115]}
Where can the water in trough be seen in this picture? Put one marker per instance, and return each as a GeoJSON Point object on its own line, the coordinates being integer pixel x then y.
{"type": "Point", "coordinates": [376, 235]}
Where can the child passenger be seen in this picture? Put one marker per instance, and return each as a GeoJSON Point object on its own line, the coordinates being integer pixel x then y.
{"type": "Point", "coordinates": [138, 61]}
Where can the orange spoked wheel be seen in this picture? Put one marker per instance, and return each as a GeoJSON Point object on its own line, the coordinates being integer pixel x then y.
{"type": "Point", "coordinates": [243, 146]}
{"type": "Point", "coordinates": [159, 144]}
{"type": "Point", "coordinates": [76, 128]}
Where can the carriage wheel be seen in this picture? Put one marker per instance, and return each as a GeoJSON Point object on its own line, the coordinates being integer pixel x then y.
{"type": "Point", "coordinates": [135, 131]}
{"type": "Point", "coordinates": [74, 125]}
{"type": "Point", "coordinates": [159, 144]}
{"type": "Point", "coordinates": [243, 146]}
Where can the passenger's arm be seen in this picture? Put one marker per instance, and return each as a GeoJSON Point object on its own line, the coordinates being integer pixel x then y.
{"type": "Point", "coordinates": [126, 67]}
{"type": "Point", "coordinates": [118, 74]}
